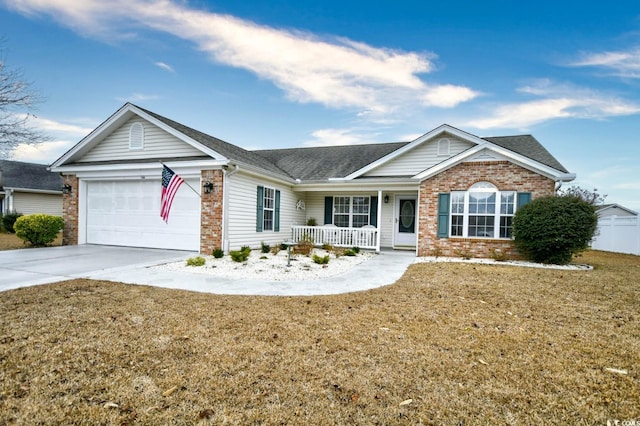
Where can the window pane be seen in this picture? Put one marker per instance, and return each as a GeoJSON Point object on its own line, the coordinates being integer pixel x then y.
{"type": "Point", "coordinates": [341, 220]}
{"type": "Point", "coordinates": [360, 220]}
{"type": "Point", "coordinates": [481, 226]}
{"type": "Point", "coordinates": [361, 205]}
{"type": "Point", "coordinates": [506, 227]}
{"type": "Point", "coordinates": [268, 220]}
{"type": "Point", "coordinates": [507, 202]}
{"type": "Point", "coordinates": [456, 225]}
{"type": "Point", "coordinates": [457, 202]}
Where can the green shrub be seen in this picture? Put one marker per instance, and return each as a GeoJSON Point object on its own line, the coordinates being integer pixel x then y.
{"type": "Point", "coordinates": [195, 261]}
{"type": "Point", "coordinates": [218, 253]}
{"type": "Point", "coordinates": [356, 250]}
{"type": "Point", "coordinates": [283, 246]}
{"type": "Point", "coordinates": [321, 260]}
{"type": "Point", "coordinates": [349, 252]}
{"type": "Point", "coordinates": [240, 255]}
{"type": "Point", "coordinates": [312, 221]}
{"type": "Point", "coordinates": [327, 247]}
{"type": "Point", "coordinates": [553, 229]}
{"type": "Point", "coordinates": [265, 247]}
{"type": "Point", "coordinates": [245, 249]}
{"type": "Point", "coordinates": [8, 220]}
{"type": "Point", "coordinates": [38, 229]}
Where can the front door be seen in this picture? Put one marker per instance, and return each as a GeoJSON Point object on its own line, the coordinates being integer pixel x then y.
{"type": "Point", "coordinates": [405, 221]}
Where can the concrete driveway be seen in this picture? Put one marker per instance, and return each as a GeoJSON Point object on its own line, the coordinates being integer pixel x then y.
{"type": "Point", "coordinates": [22, 268]}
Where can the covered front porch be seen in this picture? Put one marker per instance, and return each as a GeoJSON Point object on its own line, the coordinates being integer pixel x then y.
{"type": "Point", "coordinates": [370, 220]}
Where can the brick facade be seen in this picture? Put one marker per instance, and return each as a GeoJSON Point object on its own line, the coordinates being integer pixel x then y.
{"type": "Point", "coordinates": [211, 212]}
{"type": "Point", "coordinates": [504, 175]}
{"type": "Point", "coordinates": [70, 211]}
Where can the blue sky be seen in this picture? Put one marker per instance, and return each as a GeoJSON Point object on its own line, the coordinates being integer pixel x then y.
{"type": "Point", "coordinates": [284, 73]}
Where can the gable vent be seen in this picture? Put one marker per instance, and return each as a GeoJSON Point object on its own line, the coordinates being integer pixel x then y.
{"type": "Point", "coordinates": [443, 146]}
{"type": "Point", "coordinates": [136, 136]}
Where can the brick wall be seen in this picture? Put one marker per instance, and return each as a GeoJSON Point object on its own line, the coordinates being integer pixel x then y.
{"type": "Point", "coordinates": [70, 211]}
{"type": "Point", "coordinates": [504, 175]}
{"type": "Point", "coordinates": [211, 213]}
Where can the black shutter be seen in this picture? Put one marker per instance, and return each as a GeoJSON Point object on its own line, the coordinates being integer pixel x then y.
{"type": "Point", "coordinates": [328, 210]}
{"type": "Point", "coordinates": [260, 209]}
{"type": "Point", "coordinates": [523, 198]}
{"type": "Point", "coordinates": [373, 212]}
{"type": "Point", "coordinates": [443, 215]}
{"type": "Point", "coordinates": [276, 213]}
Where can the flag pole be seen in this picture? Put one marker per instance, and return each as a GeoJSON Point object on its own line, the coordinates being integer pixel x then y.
{"type": "Point", "coordinates": [185, 182]}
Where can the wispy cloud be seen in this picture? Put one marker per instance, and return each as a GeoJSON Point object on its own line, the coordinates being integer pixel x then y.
{"type": "Point", "coordinates": [622, 63]}
{"type": "Point", "coordinates": [336, 137]}
{"type": "Point", "coordinates": [48, 126]}
{"type": "Point", "coordinates": [335, 72]}
{"type": "Point", "coordinates": [138, 97]}
{"type": "Point", "coordinates": [555, 101]}
{"type": "Point", "coordinates": [164, 66]}
{"type": "Point", "coordinates": [45, 152]}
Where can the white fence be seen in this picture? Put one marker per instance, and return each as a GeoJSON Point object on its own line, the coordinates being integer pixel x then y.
{"type": "Point", "coordinates": [619, 234]}
{"type": "Point", "coordinates": [365, 237]}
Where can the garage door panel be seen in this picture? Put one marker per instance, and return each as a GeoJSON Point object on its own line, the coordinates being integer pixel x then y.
{"type": "Point", "coordinates": [127, 213]}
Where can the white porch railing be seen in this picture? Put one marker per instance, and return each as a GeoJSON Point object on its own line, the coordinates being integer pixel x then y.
{"type": "Point", "coordinates": [365, 237]}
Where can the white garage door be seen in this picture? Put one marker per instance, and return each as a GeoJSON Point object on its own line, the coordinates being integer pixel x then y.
{"type": "Point", "coordinates": [127, 213]}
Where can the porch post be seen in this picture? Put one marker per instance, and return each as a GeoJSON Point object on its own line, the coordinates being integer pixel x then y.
{"type": "Point", "coordinates": [379, 221]}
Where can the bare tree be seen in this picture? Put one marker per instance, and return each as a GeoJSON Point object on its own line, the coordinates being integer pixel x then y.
{"type": "Point", "coordinates": [591, 197]}
{"type": "Point", "coordinates": [17, 103]}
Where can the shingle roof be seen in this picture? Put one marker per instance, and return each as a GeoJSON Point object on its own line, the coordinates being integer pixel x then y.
{"type": "Point", "coordinates": [16, 174]}
{"type": "Point", "coordinates": [230, 151]}
{"type": "Point", "coordinates": [319, 163]}
{"type": "Point", "coordinates": [528, 146]}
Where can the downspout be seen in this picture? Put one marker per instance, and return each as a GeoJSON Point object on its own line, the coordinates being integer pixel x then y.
{"type": "Point", "coordinates": [225, 204]}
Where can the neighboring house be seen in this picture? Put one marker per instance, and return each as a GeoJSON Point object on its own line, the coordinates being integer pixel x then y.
{"type": "Point", "coordinates": [607, 210]}
{"type": "Point", "coordinates": [29, 188]}
{"type": "Point", "coordinates": [447, 192]}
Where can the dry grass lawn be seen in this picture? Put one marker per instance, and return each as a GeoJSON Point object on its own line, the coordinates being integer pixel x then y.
{"type": "Point", "coordinates": [447, 344]}
{"type": "Point", "coordinates": [11, 242]}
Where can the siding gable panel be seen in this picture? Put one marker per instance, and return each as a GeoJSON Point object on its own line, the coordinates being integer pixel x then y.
{"type": "Point", "coordinates": [157, 144]}
{"type": "Point", "coordinates": [420, 158]}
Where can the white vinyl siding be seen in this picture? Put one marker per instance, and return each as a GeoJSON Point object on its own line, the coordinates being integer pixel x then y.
{"type": "Point", "coordinates": [387, 224]}
{"type": "Point", "coordinates": [241, 202]}
{"type": "Point", "coordinates": [419, 158]}
{"type": "Point", "coordinates": [157, 144]}
{"type": "Point", "coordinates": [30, 203]}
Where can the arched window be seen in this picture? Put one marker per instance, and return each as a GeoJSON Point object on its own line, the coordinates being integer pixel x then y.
{"type": "Point", "coordinates": [483, 211]}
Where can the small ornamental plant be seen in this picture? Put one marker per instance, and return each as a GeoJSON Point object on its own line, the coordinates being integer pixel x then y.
{"type": "Point", "coordinates": [38, 229]}
{"type": "Point", "coordinates": [196, 261]}
{"type": "Point", "coordinates": [321, 260]}
{"type": "Point", "coordinates": [218, 253]}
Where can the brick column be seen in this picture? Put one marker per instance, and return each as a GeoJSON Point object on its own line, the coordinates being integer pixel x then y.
{"type": "Point", "coordinates": [211, 212]}
{"type": "Point", "coordinates": [70, 211]}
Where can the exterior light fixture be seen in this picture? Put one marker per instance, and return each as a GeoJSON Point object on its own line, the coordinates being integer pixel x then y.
{"type": "Point", "coordinates": [386, 199]}
{"type": "Point", "coordinates": [66, 189]}
{"type": "Point", "coordinates": [208, 187]}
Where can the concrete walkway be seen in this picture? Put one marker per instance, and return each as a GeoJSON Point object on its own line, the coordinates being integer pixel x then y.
{"type": "Point", "coordinates": [382, 269]}
{"type": "Point", "coordinates": [28, 267]}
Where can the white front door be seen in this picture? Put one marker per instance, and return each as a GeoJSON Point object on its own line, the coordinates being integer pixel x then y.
{"type": "Point", "coordinates": [405, 233]}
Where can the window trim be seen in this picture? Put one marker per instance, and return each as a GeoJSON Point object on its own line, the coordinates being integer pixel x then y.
{"type": "Point", "coordinates": [479, 187]}
{"type": "Point", "coordinates": [350, 213]}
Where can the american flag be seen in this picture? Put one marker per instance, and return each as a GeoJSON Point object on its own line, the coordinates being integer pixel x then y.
{"type": "Point", "coordinates": [170, 184]}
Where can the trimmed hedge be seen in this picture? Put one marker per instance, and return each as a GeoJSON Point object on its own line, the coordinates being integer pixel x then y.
{"type": "Point", "coordinates": [38, 229]}
{"type": "Point", "coordinates": [553, 229]}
